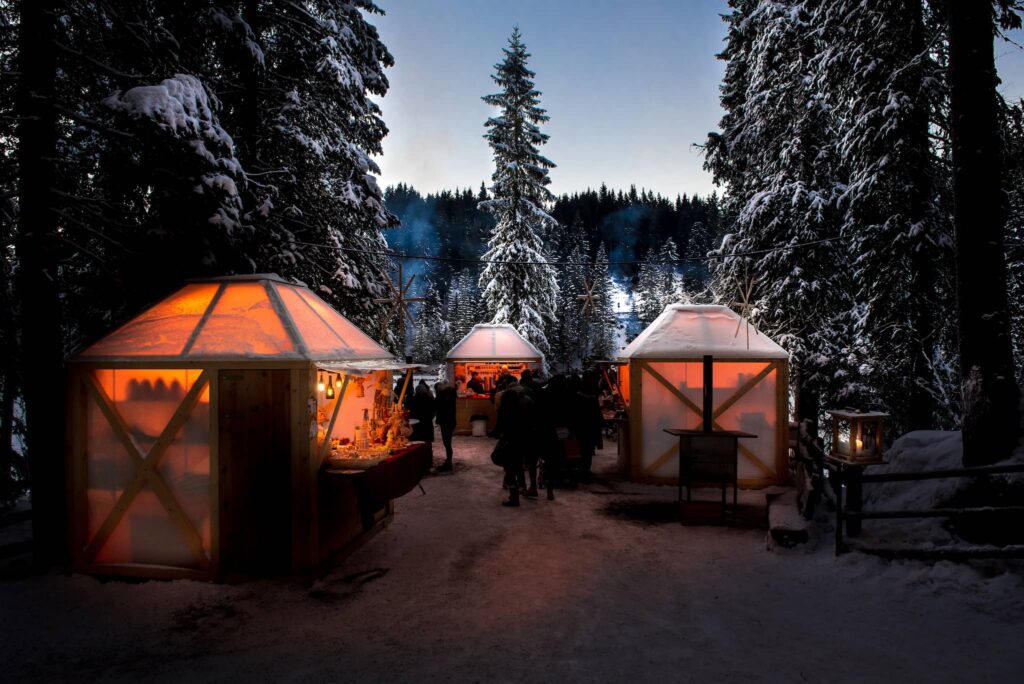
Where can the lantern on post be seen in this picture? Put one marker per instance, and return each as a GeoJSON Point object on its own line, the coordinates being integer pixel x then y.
{"type": "Point", "coordinates": [857, 435]}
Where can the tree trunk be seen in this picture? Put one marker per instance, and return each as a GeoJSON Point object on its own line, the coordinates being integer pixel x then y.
{"type": "Point", "coordinates": [990, 393]}
{"type": "Point", "coordinates": [36, 244]}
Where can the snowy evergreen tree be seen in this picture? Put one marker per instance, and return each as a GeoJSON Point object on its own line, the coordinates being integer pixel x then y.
{"type": "Point", "coordinates": [603, 321]}
{"type": "Point", "coordinates": [309, 71]}
{"type": "Point", "coordinates": [669, 287]}
{"type": "Point", "coordinates": [1014, 163]}
{"type": "Point", "coordinates": [883, 82]}
{"type": "Point", "coordinates": [432, 337]}
{"type": "Point", "coordinates": [775, 156]}
{"type": "Point", "coordinates": [647, 293]}
{"type": "Point", "coordinates": [518, 290]}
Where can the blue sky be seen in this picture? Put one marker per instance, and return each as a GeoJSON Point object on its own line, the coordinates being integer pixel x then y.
{"type": "Point", "coordinates": [629, 86]}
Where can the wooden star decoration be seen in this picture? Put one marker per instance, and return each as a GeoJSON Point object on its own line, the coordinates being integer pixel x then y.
{"type": "Point", "coordinates": [398, 300]}
{"type": "Point", "coordinates": [744, 307]}
{"type": "Point", "coordinates": [589, 296]}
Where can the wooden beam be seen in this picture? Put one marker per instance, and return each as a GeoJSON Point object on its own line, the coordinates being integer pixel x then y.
{"type": "Point", "coordinates": [673, 389]}
{"type": "Point", "coordinates": [743, 389]}
{"type": "Point", "coordinates": [286, 319]}
{"type": "Point", "coordinates": [330, 427]}
{"type": "Point", "coordinates": [214, 488]}
{"type": "Point", "coordinates": [405, 386]}
{"type": "Point", "coordinates": [752, 457]}
{"type": "Point", "coordinates": [146, 469]}
{"type": "Point", "coordinates": [202, 321]}
{"type": "Point", "coordinates": [663, 459]}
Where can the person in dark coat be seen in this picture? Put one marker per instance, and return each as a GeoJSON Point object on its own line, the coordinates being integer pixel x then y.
{"type": "Point", "coordinates": [474, 384]}
{"type": "Point", "coordinates": [422, 409]}
{"type": "Point", "coordinates": [445, 397]}
{"type": "Point", "coordinates": [588, 422]}
{"type": "Point", "coordinates": [517, 419]}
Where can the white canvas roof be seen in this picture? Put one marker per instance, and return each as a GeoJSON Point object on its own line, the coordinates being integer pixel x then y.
{"type": "Point", "coordinates": [494, 342]}
{"type": "Point", "coordinates": [685, 331]}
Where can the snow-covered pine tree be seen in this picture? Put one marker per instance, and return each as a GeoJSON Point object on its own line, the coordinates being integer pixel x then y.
{"type": "Point", "coordinates": [775, 157]}
{"type": "Point", "coordinates": [882, 81]}
{"type": "Point", "coordinates": [646, 299]}
{"type": "Point", "coordinates": [565, 332]}
{"type": "Point", "coordinates": [519, 289]}
{"type": "Point", "coordinates": [1013, 136]}
{"type": "Point", "coordinates": [469, 307]}
{"type": "Point", "coordinates": [669, 288]}
{"type": "Point", "coordinates": [432, 336]}
{"type": "Point", "coordinates": [302, 77]}
{"type": "Point", "coordinates": [603, 321]}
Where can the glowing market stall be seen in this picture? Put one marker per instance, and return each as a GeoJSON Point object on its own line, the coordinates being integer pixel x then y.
{"type": "Point", "coordinates": [201, 436]}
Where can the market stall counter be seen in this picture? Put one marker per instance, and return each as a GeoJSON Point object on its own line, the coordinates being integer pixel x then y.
{"type": "Point", "coordinates": [354, 500]}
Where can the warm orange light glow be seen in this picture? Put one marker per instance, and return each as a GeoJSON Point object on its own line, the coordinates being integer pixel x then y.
{"type": "Point", "coordinates": [145, 401]}
{"type": "Point", "coordinates": [161, 330]}
{"type": "Point", "coordinates": [243, 322]}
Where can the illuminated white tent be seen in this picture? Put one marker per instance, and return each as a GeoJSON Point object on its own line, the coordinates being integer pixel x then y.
{"type": "Point", "coordinates": [489, 349]}
{"type": "Point", "coordinates": [664, 386]}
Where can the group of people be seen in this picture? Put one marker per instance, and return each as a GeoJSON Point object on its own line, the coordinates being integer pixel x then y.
{"type": "Point", "coordinates": [547, 431]}
{"type": "Point", "coordinates": [425, 407]}
{"type": "Point", "coordinates": [556, 424]}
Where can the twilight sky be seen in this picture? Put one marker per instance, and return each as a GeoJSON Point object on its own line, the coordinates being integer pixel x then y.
{"type": "Point", "coordinates": [630, 87]}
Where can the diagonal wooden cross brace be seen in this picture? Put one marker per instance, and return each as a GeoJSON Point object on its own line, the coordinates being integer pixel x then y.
{"type": "Point", "coordinates": [147, 471]}
{"type": "Point", "coordinates": [740, 392]}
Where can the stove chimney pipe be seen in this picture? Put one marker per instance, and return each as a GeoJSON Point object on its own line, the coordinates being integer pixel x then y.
{"type": "Point", "coordinates": [709, 392]}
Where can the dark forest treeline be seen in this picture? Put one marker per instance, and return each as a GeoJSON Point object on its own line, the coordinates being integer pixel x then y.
{"type": "Point", "coordinates": [630, 224]}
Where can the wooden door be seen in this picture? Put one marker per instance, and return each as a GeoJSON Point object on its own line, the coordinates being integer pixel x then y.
{"type": "Point", "coordinates": [255, 471]}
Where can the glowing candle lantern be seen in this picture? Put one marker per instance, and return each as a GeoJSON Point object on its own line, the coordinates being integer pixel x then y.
{"type": "Point", "coordinates": [857, 435]}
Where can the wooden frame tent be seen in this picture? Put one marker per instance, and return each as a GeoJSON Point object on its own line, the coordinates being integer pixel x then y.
{"type": "Point", "coordinates": [487, 348]}
{"type": "Point", "coordinates": [196, 433]}
{"type": "Point", "coordinates": [663, 386]}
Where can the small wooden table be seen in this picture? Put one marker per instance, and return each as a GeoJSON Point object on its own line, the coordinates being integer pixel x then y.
{"type": "Point", "coordinates": [708, 457]}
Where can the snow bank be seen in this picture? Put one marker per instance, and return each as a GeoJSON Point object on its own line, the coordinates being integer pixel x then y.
{"type": "Point", "coordinates": [916, 452]}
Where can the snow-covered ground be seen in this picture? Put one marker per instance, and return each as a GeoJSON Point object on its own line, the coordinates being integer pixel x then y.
{"type": "Point", "coordinates": [598, 586]}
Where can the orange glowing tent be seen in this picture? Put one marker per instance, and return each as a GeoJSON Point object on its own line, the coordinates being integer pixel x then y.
{"type": "Point", "coordinates": [197, 432]}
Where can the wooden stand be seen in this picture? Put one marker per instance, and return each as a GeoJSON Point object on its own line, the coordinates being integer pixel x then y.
{"type": "Point", "coordinates": [708, 457]}
{"type": "Point", "coordinates": [466, 408]}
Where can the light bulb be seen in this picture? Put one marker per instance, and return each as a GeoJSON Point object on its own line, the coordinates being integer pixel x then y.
{"type": "Point", "coordinates": [330, 391]}
{"type": "Point", "coordinates": [320, 386]}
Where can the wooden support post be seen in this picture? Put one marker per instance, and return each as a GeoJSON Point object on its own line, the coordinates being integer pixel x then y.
{"type": "Point", "coordinates": [405, 386]}
{"type": "Point", "coordinates": [854, 499]}
{"type": "Point", "coordinates": [837, 484]}
{"type": "Point", "coordinates": [334, 418]}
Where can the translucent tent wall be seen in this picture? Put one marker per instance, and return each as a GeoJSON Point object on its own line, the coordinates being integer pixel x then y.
{"type": "Point", "coordinates": [165, 411]}
{"type": "Point", "coordinates": [664, 385]}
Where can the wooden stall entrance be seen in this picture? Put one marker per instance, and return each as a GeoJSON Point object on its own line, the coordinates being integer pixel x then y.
{"type": "Point", "coordinates": [658, 401]}
{"type": "Point", "coordinates": [255, 467]}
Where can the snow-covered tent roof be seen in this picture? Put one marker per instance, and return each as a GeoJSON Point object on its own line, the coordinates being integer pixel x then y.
{"type": "Point", "coordinates": [494, 342]}
{"type": "Point", "coordinates": [685, 331]}
{"type": "Point", "coordinates": [257, 317]}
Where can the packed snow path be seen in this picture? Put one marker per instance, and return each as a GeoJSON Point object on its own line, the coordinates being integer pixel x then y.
{"type": "Point", "coordinates": [597, 586]}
